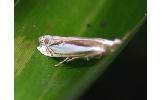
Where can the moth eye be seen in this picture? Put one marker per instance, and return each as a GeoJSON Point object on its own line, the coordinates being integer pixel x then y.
{"type": "Point", "coordinates": [46, 41]}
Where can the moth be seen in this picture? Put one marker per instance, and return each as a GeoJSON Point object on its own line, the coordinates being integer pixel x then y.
{"type": "Point", "coordinates": [75, 47]}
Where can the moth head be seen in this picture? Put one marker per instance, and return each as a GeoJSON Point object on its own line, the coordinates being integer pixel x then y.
{"type": "Point", "coordinates": [44, 39]}
{"type": "Point", "coordinates": [50, 40]}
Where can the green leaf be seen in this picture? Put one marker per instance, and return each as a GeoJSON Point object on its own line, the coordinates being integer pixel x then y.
{"type": "Point", "coordinates": [36, 77]}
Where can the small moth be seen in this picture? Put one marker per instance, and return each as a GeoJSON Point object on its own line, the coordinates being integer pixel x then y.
{"type": "Point", "coordinates": [75, 47]}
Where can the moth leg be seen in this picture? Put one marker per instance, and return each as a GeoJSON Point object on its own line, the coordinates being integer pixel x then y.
{"type": "Point", "coordinates": [72, 59]}
{"type": "Point", "coordinates": [62, 61]}
{"type": "Point", "coordinates": [87, 58]}
{"type": "Point", "coordinates": [99, 56]}
{"type": "Point", "coordinates": [50, 51]}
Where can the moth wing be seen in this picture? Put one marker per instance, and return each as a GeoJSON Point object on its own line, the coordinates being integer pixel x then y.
{"type": "Point", "coordinates": [70, 49]}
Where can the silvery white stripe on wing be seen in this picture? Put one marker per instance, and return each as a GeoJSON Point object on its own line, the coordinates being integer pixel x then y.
{"type": "Point", "coordinates": [71, 48]}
